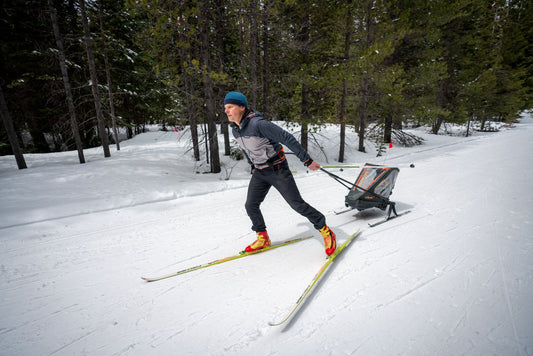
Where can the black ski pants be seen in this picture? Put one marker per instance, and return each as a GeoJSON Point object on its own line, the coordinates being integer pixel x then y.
{"type": "Point", "coordinates": [279, 177]}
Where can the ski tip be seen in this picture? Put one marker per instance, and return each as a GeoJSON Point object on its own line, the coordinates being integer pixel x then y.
{"type": "Point", "coordinates": [277, 323]}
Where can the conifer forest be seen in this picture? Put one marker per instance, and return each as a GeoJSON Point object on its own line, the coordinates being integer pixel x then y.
{"type": "Point", "coordinates": [77, 74]}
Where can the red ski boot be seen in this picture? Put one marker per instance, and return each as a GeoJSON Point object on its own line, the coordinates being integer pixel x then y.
{"type": "Point", "coordinates": [262, 241]}
{"type": "Point", "coordinates": [330, 243]}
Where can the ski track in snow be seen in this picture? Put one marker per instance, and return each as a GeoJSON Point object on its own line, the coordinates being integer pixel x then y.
{"type": "Point", "coordinates": [452, 277]}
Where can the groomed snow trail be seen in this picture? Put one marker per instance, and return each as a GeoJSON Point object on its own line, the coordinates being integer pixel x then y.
{"type": "Point", "coordinates": [454, 277]}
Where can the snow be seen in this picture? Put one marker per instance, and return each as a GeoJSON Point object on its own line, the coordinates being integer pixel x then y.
{"type": "Point", "coordinates": [453, 277]}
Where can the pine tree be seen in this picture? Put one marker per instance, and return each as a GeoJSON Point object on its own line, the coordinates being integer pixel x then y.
{"type": "Point", "coordinates": [376, 79]}
{"type": "Point", "coordinates": [94, 81]}
{"type": "Point", "coordinates": [208, 85]}
{"type": "Point", "coordinates": [108, 76]}
{"type": "Point", "coordinates": [66, 81]}
{"type": "Point", "coordinates": [11, 134]}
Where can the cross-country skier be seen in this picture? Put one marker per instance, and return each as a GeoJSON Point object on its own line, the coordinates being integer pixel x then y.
{"type": "Point", "coordinates": [261, 140]}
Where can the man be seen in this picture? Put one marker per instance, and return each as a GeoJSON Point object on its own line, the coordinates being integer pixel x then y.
{"type": "Point", "coordinates": [261, 140]}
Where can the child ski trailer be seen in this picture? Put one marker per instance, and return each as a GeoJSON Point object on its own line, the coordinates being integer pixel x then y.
{"type": "Point", "coordinates": [371, 189]}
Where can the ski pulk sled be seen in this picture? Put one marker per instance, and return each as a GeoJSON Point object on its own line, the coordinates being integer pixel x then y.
{"type": "Point", "coordinates": [371, 189]}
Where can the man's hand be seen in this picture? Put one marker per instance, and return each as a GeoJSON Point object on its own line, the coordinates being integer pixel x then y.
{"type": "Point", "coordinates": [314, 166]}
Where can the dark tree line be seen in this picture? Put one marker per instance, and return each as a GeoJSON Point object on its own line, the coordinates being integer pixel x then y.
{"type": "Point", "coordinates": [359, 64]}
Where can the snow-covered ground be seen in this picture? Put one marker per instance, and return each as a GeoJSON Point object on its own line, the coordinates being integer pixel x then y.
{"type": "Point", "coordinates": [453, 277]}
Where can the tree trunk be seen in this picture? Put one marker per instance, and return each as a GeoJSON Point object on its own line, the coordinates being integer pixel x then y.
{"type": "Point", "coordinates": [108, 77]}
{"type": "Point", "coordinates": [11, 134]}
{"type": "Point", "coordinates": [265, 60]}
{"type": "Point", "coordinates": [224, 130]}
{"type": "Point", "coordinates": [387, 130]}
{"type": "Point", "coordinates": [303, 39]}
{"type": "Point", "coordinates": [186, 52]}
{"type": "Point", "coordinates": [66, 82]}
{"type": "Point", "coordinates": [209, 94]}
{"type": "Point", "coordinates": [221, 32]}
{"type": "Point", "coordinates": [254, 39]}
{"type": "Point", "coordinates": [435, 127]}
{"type": "Point", "coordinates": [363, 111]}
{"type": "Point", "coordinates": [363, 115]}
{"type": "Point", "coordinates": [442, 102]}
{"type": "Point", "coordinates": [304, 117]}
{"type": "Point", "coordinates": [212, 130]}
{"type": "Point", "coordinates": [34, 125]}
{"type": "Point", "coordinates": [343, 109]}
{"type": "Point", "coordinates": [94, 80]}
{"type": "Point", "coordinates": [193, 123]}
{"type": "Point", "coordinates": [206, 142]}
{"type": "Point", "coordinates": [342, 120]}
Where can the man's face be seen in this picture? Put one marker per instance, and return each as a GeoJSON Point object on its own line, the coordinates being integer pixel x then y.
{"type": "Point", "coordinates": [234, 112]}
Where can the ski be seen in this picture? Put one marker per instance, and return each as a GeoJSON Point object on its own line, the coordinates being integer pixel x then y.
{"type": "Point", "coordinates": [389, 218]}
{"type": "Point", "coordinates": [342, 211]}
{"type": "Point", "coordinates": [315, 280]}
{"type": "Point", "coordinates": [226, 259]}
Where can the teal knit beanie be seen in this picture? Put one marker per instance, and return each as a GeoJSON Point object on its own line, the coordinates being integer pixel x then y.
{"type": "Point", "coordinates": [234, 97]}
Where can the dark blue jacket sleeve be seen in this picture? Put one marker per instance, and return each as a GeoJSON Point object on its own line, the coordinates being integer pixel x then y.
{"type": "Point", "coordinates": [277, 134]}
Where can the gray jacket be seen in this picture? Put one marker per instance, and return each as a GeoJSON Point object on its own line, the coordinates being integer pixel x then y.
{"type": "Point", "coordinates": [261, 140]}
